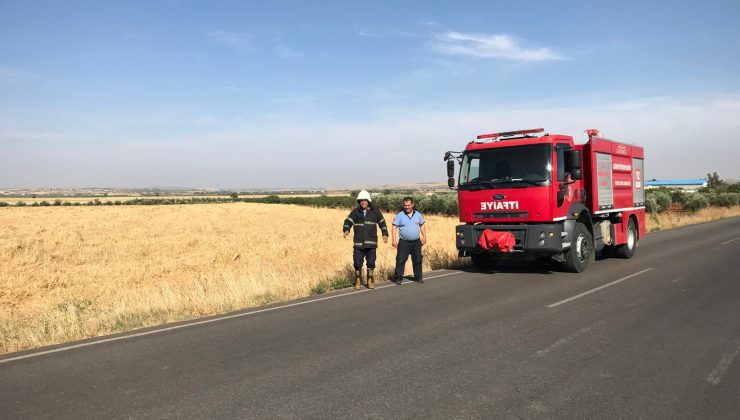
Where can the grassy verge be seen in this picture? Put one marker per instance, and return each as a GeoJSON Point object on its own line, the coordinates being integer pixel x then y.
{"type": "Point", "coordinates": [669, 220]}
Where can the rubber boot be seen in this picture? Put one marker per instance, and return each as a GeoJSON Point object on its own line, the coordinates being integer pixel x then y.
{"type": "Point", "coordinates": [358, 279]}
{"type": "Point", "coordinates": [370, 279]}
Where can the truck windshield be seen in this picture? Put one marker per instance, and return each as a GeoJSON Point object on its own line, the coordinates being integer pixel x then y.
{"type": "Point", "coordinates": [506, 167]}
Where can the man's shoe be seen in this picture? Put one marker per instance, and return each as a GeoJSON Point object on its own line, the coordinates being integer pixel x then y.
{"type": "Point", "coordinates": [420, 280]}
{"type": "Point", "coordinates": [358, 279]}
{"type": "Point", "coordinates": [397, 281]}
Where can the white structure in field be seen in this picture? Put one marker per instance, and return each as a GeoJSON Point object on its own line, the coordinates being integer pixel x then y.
{"type": "Point", "coordinates": [683, 184]}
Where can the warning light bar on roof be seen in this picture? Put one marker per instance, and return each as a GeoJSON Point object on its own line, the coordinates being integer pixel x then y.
{"type": "Point", "coordinates": [510, 133]}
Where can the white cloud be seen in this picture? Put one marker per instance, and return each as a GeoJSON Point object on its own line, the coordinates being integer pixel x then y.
{"type": "Point", "coordinates": [370, 32]}
{"type": "Point", "coordinates": [497, 46]}
{"type": "Point", "coordinates": [246, 42]}
{"type": "Point", "coordinates": [233, 39]}
{"type": "Point", "coordinates": [286, 52]}
{"type": "Point", "coordinates": [8, 74]}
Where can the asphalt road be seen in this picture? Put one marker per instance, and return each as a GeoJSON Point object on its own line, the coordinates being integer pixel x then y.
{"type": "Point", "coordinates": [661, 339]}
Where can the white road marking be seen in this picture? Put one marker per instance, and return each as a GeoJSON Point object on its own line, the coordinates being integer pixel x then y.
{"type": "Point", "coordinates": [444, 275]}
{"type": "Point", "coordinates": [565, 340]}
{"type": "Point", "coordinates": [731, 240]}
{"type": "Point", "coordinates": [205, 321]}
{"type": "Point", "coordinates": [677, 279]}
{"type": "Point", "coordinates": [715, 376]}
{"type": "Point", "coordinates": [580, 295]}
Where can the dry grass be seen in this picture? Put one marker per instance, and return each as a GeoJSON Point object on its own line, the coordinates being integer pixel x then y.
{"type": "Point", "coordinates": [670, 220]}
{"type": "Point", "coordinates": [68, 273]}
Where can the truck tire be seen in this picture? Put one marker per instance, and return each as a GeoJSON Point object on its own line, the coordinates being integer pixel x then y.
{"type": "Point", "coordinates": [581, 252]}
{"type": "Point", "coordinates": [628, 249]}
{"type": "Point", "coordinates": [484, 261]}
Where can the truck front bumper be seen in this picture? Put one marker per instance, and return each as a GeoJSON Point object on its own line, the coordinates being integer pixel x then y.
{"type": "Point", "coordinates": [545, 239]}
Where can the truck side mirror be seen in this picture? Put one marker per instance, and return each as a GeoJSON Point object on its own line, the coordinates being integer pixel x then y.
{"type": "Point", "coordinates": [572, 160]}
{"type": "Point", "coordinates": [573, 164]}
{"type": "Point", "coordinates": [451, 173]}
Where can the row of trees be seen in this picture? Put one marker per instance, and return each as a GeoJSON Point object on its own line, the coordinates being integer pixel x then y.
{"type": "Point", "coordinates": [717, 193]}
{"type": "Point", "coordinates": [131, 202]}
{"type": "Point", "coordinates": [439, 203]}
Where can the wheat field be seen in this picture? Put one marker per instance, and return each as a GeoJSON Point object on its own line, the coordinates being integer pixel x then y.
{"type": "Point", "coordinates": [68, 273]}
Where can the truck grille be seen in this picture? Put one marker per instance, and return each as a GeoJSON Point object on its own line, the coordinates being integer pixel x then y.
{"type": "Point", "coordinates": [501, 215]}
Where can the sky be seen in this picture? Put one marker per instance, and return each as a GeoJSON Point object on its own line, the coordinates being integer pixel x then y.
{"type": "Point", "coordinates": [331, 94]}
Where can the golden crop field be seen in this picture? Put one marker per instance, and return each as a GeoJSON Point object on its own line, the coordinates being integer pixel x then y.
{"type": "Point", "coordinates": [68, 273]}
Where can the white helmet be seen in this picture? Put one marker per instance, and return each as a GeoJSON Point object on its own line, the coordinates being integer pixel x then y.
{"type": "Point", "coordinates": [364, 195]}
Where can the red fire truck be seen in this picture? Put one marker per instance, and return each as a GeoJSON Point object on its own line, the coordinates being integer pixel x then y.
{"type": "Point", "coordinates": [541, 196]}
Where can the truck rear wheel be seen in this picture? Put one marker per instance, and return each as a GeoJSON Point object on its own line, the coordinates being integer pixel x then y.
{"type": "Point", "coordinates": [581, 252]}
{"type": "Point", "coordinates": [484, 261]}
{"type": "Point", "coordinates": [628, 249]}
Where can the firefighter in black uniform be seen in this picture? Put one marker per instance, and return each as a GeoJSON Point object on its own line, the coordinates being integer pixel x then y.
{"type": "Point", "coordinates": [366, 220]}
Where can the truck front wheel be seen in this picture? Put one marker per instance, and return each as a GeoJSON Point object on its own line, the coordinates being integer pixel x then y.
{"type": "Point", "coordinates": [628, 249]}
{"type": "Point", "coordinates": [581, 252]}
{"type": "Point", "coordinates": [484, 261]}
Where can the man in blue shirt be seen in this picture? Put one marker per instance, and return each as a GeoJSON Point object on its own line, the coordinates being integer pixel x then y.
{"type": "Point", "coordinates": [409, 225]}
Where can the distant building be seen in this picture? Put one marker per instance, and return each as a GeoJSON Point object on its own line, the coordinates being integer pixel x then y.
{"type": "Point", "coordinates": [682, 184]}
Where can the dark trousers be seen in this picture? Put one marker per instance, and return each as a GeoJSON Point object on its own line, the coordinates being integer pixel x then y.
{"type": "Point", "coordinates": [402, 255]}
{"type": "Point", "coordinates": [362, 254]}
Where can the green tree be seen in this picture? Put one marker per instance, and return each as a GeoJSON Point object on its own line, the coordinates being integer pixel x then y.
{"type": "Point", "coordinates": [714, 181]}
{"type": "Point", "coordinates": [651, 204]}
{"type": "Point", "coordinates": [661, 197]}
{"type": "Point", "coordinates": [696, 202]}
{"type": "Point", "coordinates": [678, 196]}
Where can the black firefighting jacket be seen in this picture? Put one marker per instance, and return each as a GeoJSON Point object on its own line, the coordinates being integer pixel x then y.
{"type": "Point", "coordinates": [366, 227]}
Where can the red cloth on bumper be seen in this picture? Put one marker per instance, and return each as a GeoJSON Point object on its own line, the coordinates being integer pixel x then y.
{"type": "Point", "coordinates": [500, 241]}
